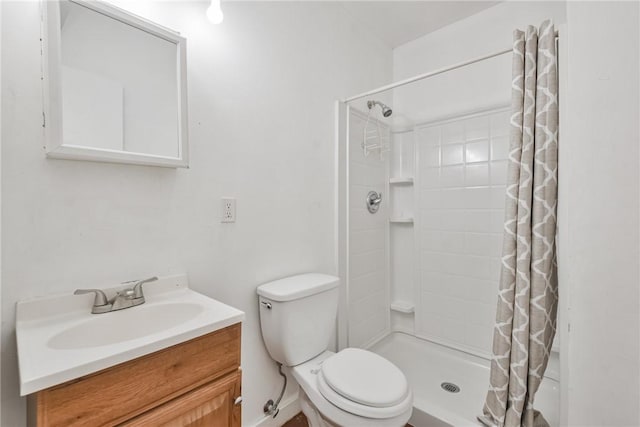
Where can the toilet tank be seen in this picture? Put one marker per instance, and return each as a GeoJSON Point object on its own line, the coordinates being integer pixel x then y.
{"type": "Point", "coordinates": [298, 316]}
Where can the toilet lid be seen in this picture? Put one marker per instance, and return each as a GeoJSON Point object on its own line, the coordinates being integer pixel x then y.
{"type": "Point", "coordinates": [365, 378]}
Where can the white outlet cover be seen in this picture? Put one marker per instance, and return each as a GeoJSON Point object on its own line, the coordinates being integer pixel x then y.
{"type": "Point", "coordinates": [228, 211]}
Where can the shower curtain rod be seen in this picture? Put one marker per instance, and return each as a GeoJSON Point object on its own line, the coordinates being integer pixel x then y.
{"type": "Point", "coordinates": [430, 74]}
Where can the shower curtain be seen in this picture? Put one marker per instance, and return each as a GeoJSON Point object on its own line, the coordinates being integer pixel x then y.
{"type": "Point", "coordinates": [528, 293]}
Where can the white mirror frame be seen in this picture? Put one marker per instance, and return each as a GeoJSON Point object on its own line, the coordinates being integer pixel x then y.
{"type": "Point", "coordinates": [52, 90]}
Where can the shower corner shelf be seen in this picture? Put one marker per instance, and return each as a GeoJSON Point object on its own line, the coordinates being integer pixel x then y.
{"type": "Point", "coordinates": [403, 307]}
{"type": "Point", "coordinates": [401, 180]}
{"type": "Point", "coordinates": [406, 220]}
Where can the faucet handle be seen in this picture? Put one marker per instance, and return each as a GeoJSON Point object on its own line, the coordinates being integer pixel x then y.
{"type": "Point", "coordinates": [100, 298]}
{"type": "Point", "coordinates": [137, 288]}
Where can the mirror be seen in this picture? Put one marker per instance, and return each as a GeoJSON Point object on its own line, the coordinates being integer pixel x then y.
{"type": "Point", "coordinates": [115, 86]}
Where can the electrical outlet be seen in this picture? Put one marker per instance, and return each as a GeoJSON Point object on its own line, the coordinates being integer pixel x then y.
{"type": "Point", "coordinates": [228, 209]}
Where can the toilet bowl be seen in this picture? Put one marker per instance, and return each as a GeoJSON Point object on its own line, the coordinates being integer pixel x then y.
{"type": "Point", "coordinates": [325, 406]}
{"type": "Point", "coordinates": [352, 387]}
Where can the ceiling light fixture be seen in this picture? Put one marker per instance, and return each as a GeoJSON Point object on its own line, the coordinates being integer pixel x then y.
{"type": "Point", "coordinates": [214, 12]}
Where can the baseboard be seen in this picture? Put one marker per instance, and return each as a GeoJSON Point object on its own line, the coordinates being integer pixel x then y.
{"type": "Point", "coordinates": [289, 408]}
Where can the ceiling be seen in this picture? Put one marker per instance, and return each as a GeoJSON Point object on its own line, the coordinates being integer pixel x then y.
{"type": "Point", "coordinates": [397, 22]}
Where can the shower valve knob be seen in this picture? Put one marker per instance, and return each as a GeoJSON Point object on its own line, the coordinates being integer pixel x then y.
{"type": "Point", "coordinates": [373, 201]}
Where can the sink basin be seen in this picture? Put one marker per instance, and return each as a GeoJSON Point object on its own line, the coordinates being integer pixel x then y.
{"type": "Point", "coordinates": [119, 326]}
{"type": "Point", "coordinates": [60, 340]}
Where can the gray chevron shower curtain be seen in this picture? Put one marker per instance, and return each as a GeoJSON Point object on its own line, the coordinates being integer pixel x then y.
{"type": "Point", "coordinates": [528, 294]}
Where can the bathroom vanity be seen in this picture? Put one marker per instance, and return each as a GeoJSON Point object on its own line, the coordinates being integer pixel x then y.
{"type": "Point", "coordinates": [193, 383]}
{"type": "Point", "coordinates": [174, 360]}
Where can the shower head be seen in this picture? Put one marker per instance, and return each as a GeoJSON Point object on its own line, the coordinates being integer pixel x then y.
{"type": "Point", "coordinates": [386, 111]}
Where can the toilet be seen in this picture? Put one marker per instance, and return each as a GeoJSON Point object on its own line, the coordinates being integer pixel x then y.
{"type": "Point", "coordinates": [352, 387]}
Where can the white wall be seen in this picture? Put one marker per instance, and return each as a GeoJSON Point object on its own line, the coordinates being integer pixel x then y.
{"type": "Point", "coordinates": [487, 83]}
{"type": "Point", "coordinates": [599, 165]}
{"type": "Point", "coordinates": [261, 112]}
{"type": "Point", "coordinates": [368, 291]}
{"type": "Point", "coordinates": [462, 176]}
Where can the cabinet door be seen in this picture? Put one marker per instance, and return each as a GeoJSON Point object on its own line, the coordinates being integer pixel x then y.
{"type": "Point", "coordinates": [124, 391]}
{"type": "Point", "coordinates": [212, 405]}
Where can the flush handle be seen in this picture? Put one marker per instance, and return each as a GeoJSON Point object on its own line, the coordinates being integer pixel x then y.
{"type": "Point", "coordinates": [266, 304]}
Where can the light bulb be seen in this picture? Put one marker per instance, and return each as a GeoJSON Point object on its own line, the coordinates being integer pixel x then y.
{"type": "Point", "coordinates": [214, 12]}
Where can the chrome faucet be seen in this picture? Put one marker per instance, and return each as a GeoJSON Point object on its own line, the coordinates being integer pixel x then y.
{"type": "Point", "coordinates": [137, 288]}
{"type": "Point", "coordinates": [126, 298]}
{"type": "Point", "coordinates": [100, 303]}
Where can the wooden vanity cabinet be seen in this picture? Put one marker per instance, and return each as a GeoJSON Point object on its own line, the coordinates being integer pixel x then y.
{"type": "Point", "coordinates": [211, 405]}
{"type": "Point", "coordinates": [193, 384]}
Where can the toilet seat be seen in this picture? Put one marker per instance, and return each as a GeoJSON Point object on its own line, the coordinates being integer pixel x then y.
{"type": "Point", "coordinates": [365, 378]}
{"type": "Point", "coordinates": [359, 409]}
{"type": "Point", "coordinates": [364, 383]}
{"type": "Point", "coordinates": [342, 411]}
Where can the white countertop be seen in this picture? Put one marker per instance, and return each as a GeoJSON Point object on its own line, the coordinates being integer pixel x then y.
{"type": "Point", "coordinates": [42, 365]}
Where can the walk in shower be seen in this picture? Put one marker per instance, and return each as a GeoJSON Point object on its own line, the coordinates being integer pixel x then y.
{"type": "Point", "coordinates": [422, 272]}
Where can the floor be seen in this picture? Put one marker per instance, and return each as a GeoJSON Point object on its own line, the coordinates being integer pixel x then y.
{"type": "Point", "coordinates": [301, 421]}
{"type": "Point", "coordinates": [298, 421]}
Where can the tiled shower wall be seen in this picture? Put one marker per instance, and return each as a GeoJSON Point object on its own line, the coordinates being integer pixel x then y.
{"type": "Point", "coordinates": [462, 173]}
{"type": "Point", "coordinates": [368, 294]}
